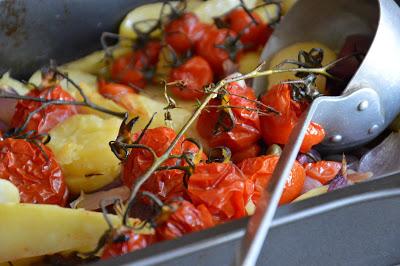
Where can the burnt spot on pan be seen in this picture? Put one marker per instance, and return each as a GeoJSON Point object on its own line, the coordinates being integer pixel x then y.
{"type": "Point", "coordinates": [12, 20]}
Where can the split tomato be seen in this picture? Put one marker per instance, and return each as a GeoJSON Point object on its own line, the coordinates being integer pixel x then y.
{"type": "Point", "coordinates": [277, 128]}
{"type": "Point", "coordinates": [222, 188]}
{"type": "Point", "coordinates": [260, 169]}
{"type": "Point", "coordinates": [33, 170]}
{"type": "Point", "coordinates": [243, 131]}
{"type": "Point", "coordinates": [195, 74]}
{"type": "Point", "coordinates": [253, 31]}
{"type": "Point", "coordinates": [183, 32]}
{"type": "Point", "coordinates": [323, 171]}
{"type": "Point", "coordinates": [47, 118]}
{"type": "Point", "coordinates": [185, 218]}
{"type": "Point", "coordinates": [221, 49]}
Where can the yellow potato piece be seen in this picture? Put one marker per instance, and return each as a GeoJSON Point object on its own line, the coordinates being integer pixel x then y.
{"type": "Point", "coordinates": [291, 52]}
{"type": "Point", "coordinates": [287, 5]}
{"type": "Point", "coordinates": [8, 81]}
{"type": "Point", "coordinates": [8, 192]}
{"type": "Point", "coordinates": [80, 145]}
{"type": "Point", "coordinates": [30, 230]}
{"type": "Point", "coordinates": [268, 13]}
{"type": "Point", "coordinates": [249, 61]}
{"type": "Point", "coordinates": [313, 193]}
{"type": "Point", "coordinates": [215, 8]}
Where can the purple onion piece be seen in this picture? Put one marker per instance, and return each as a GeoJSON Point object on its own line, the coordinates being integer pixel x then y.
{"type": "Point", "coordinates": [338, 182]}
{"type": "Point", "coordinates": [309, 157]}
{"type": "Point", "coordinates": [310, 184]}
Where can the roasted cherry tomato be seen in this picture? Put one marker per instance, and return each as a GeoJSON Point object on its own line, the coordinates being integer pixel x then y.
{"type": "Point", "coordinates": [260, 170]}
{"type": "Point", "coordinates": [250, 152]}
{"type": "Point", "coordinates": [33, 170]}
{"type": "Point", "coordinates": [195, 74]}
{"type": "Point", "coordinates": [183, 32]}
{"type": "Point", "coordinates": [254, 32]}
{"type": "Point", "coordinates": [277, 128]}
{"type": "Point", "coordinates": [323, 171]}
{"type": "Point", "coordinates": [183, 219]}
{"type": "Point", "coordinates": [46, 119]}
{"type": "Point", "coordinates": [222, 188]}
{"type": "Point", "coordinates": [166, 184]}
{"type": "Point", "coordinates": [136, 67]}
{"type": "Point", "coordinates": [243, 131]}
{"type": "Point", "coordinates": [221, 50]}
{"type": "Point", "coordinates": [123, 241]}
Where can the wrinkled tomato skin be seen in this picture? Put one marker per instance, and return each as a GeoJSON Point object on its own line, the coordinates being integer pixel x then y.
{"type": "Point", "coordinates": [253, 35]}
{"type": "Point", "coordinates": [276, 129]}
{"type": "Point", "coordinates": [260, 169]}
{"type": "Point", "coordinates": [133, 242]}
{"type": "Point", "coordinates": [222, 188]}
{"type": "Point", "coordinates": [183, 32]}
{"type": "Point", "coordinates": [185, 219]}
{"type": "Point", "coordinates": [112, 90]}
{"type": "Point", "coordinates": [323, 171]}
{"type": "Point", "coordinates": [207, 47]}
{"type": "Point", "coordinates": [195, 73]}
{"type": "Point", "coordinates": [49, 117]}
{"type": "Point", "coordinates": [39, 179]}
{"type": "Point", "coordinates": [251, 152]}
{"type": "Point", "coordinates": [246, 130]}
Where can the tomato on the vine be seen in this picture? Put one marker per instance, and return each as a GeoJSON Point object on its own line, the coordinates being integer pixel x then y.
{"type": "Point", "coordinates": [222, 188]}
{"type": "Point", "coordinates": [323, 171]}
{"type": "Point", "coordinates": [185, 218]}
{"type": "Point", "coordinates": [243, 132]}
{"type": "Point", "coordinates": [183, 32]}
{"type": "Point", "coordinates": [33, 169]}
{"type": "Point", "coordinates": [277, 128]}
{"type": "Point", "coordinates": [47, 118]}
{"type": "Point", "coordinates": [221, 49]}
{"type": "Point", "coordinates": [195, 74]}
{"type": "Point", "coordinates": [254, 32]}
{"type": "Point", "coordinates": [123, 241]}
{"type": "Point", "coordinates": [260, 169]}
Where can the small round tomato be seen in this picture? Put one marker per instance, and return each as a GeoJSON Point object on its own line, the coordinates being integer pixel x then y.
{"type": "Point", "coordinates": [250, 152]}
{"type": "Point", "coordinates": [254, 33]}
{"type": "Point", "coordinates": [166, 184]}
{"type": "Point", "coordinates": [323, 171]}
{"type": "Point", "coordinates": [123, 241]}
{"type": "Point", "coordinates": [185, 218]}
{"type": "Point", "coordinates": [245, 130]}
{"type": "Point", "coordinates": [34, 171]}
{"type": "Point", "coordinates": [276, 129]}
{"type": "Point", "coordinates": [46, 119]}
{"type": "Point", "coordinates": [112, 90]}
{"type": "Point", "coordinates": [222, 188]}
{"type": "Point", "coordinates": [260, 170]}
{"type": "Point", "coordinates": [195, 74]}
{"type": "Point", "coordinates": [183, 32]}
{"type": "Point", "coordinates": [221, 50]}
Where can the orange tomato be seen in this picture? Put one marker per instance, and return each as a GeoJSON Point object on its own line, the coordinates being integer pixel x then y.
{"type": "Point", "coordinates": [323, 171]}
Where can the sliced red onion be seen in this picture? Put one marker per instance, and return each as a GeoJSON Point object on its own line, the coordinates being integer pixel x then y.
{"type": "Point", "coordinates": [92, 201]}
{"type": "Point", "coordinates": [310, 157]}
{"type": "Point", "coordinates": [382, 160]}
{"type": "Point", "coordinates": [310, 184]}
{"type": "Point", "coordinates": [339, 182]}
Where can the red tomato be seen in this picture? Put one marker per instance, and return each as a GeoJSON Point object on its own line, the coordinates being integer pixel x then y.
{"type": "Point", "coordinates": [260, 170]}
{"type": "Point", "coordinates": [185, 219]}
{"type": "Point", "coordinates": [133, 68]}
{"type": "Point", "coordinates": [277, 128]}
{"type": "Point", "coordinates": [183, 32]}
{"type": "Point", "coordinates": [166, 184]}
{"type": "Point", "coordinates": [219, 58]}
{"type": "Point", "coordinates": [323, 171]}
{"type": "Point", "coordinates": [34, 171]}
{"type": "Point", "coordinates": [123, 242]}
{"type": "Point", "coordinates": [195, 73]}
{"type": "Point", "coordinates": [49, 117]}
{"type": "Point", "coordinates": [222, 188]}
{"type": "Point", "coordinates": [251, 152]}
{"type": "Point", "coordinates": [112, 90]}
{"type": "Point", "coordinates": [253, 35]}
{"type": "Point", "coordinates": [246, 129]}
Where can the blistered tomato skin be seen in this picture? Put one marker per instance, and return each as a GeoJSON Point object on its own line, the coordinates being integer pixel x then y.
{"type": "Point", "coordinates": [222, 188]}
{"type": "Point", "coordinates": [260, 170]}
{"type": "Point", "coordinates": [185, 219]}
{"type": "Point", "coordinates": [34, 172]}
{"type": "Point", "coordinates": [276, 129]}
{"type": "Point", "coordinates": [323, 171]}
{"type": "Point", "coordinates": [49, 117]}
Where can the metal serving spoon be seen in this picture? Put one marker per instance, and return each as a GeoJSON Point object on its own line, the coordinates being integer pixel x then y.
{"type": "Point", "coordinates": [367, 106]}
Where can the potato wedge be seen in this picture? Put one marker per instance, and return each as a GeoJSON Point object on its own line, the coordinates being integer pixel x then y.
{"type": "Point", "coordinates": [19, 87]}
{"type": "Point", "coordinates": [313, 193]}
{"type": "Point", "coordinates": [8, 192]}
{"type": "Point", "coordinates": [249, 61]}
{"type": "Point", "coordinates": [29, 230]}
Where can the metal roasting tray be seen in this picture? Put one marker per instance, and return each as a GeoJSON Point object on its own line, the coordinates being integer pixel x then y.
{"type": "Point", "coordinates": [358, 225]}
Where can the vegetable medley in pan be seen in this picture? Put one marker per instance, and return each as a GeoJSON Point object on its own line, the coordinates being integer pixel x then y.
{"type": "Point", "coordinates": [160, 134]}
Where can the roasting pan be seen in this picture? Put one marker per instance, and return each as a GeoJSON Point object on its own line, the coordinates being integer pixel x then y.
{"type": "Point", "coordinates": [358, 225]}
